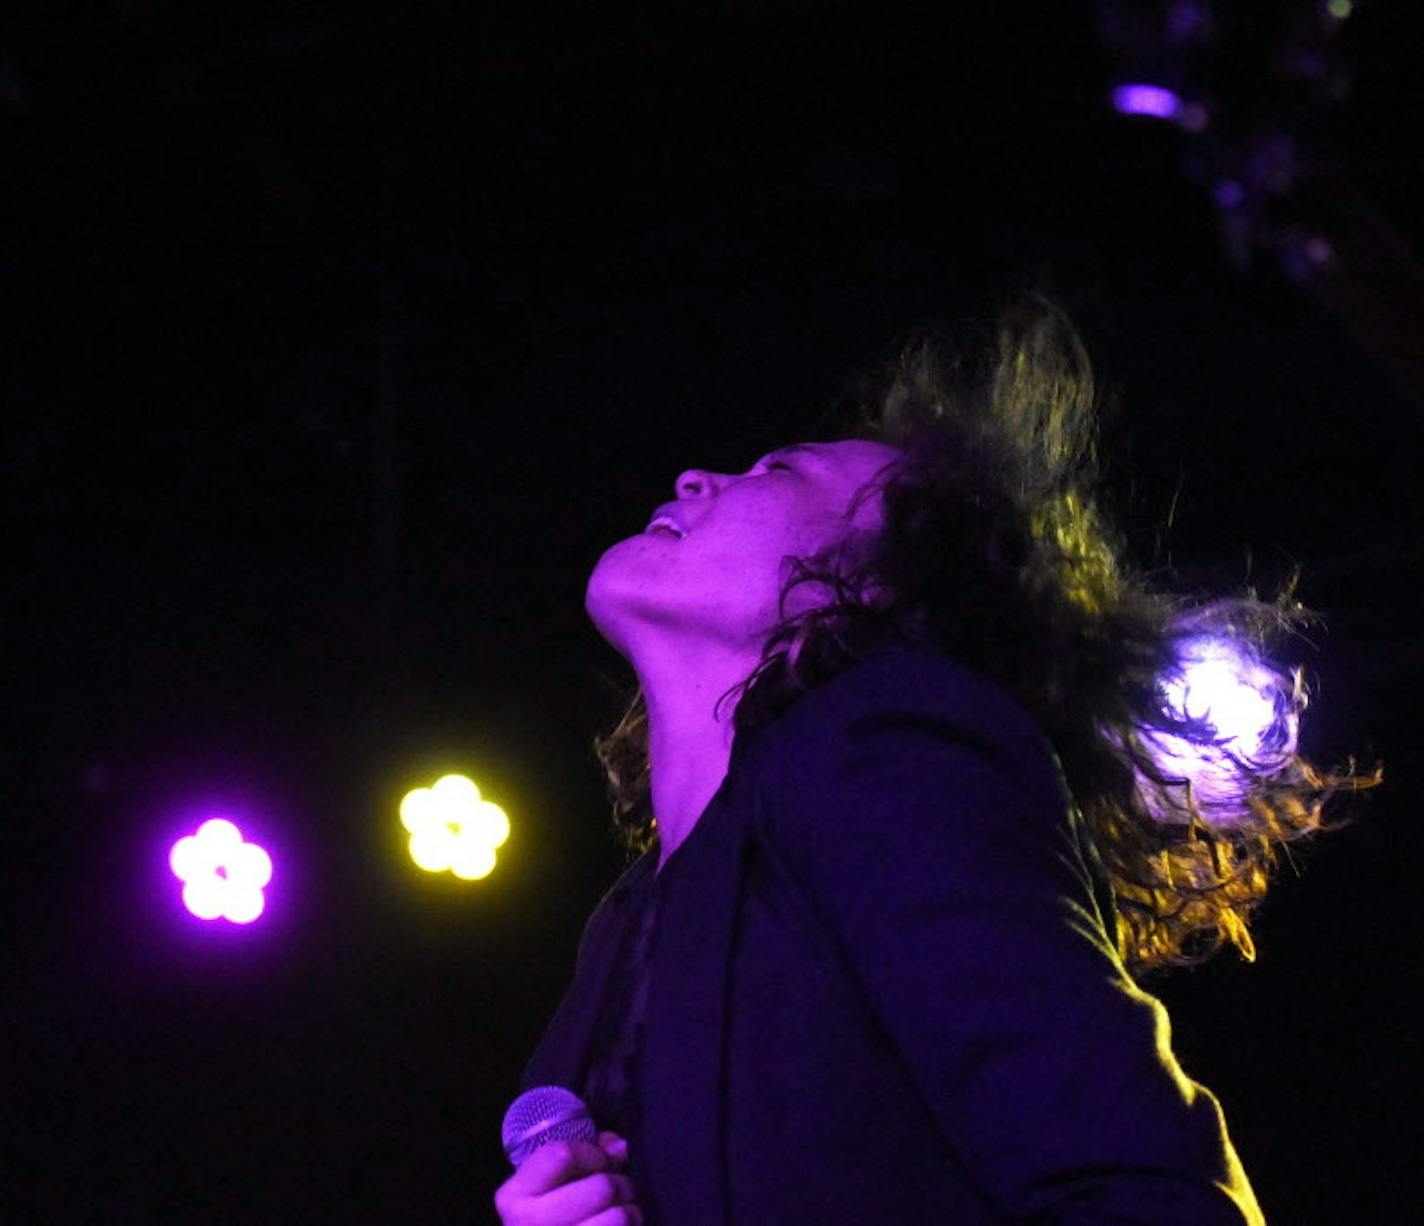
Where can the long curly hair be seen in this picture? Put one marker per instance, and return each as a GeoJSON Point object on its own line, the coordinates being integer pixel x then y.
{"type": "Point", "coordinates": [995, 552]}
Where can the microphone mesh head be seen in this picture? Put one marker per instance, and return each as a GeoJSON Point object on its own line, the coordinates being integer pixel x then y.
{"type": "Point", "coordinates": [541, 1115]}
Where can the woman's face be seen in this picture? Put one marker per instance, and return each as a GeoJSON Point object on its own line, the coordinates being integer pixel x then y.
{"type": "Point", "coordinates": [721, 581]}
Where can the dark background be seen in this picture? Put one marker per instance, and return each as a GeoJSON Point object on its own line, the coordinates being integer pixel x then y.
{"type": "Point", "coordinates": [340, 347]}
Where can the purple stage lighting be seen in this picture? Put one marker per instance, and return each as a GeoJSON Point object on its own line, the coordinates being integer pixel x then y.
{"type": "Point", "coordinates": [223, 877]}
{"type": "Point", "coordinates": [1239, 720]}
{"type": "Point", "coordinates": [1154, 100]}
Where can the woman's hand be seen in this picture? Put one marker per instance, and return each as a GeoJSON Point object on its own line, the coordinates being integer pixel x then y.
{"type": "Point", "coordinates": [571, 1183]}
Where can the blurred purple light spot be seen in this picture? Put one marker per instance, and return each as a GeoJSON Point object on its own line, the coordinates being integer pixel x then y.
{"type": "Point", "coordinates": [1186, 19]}
{"type": "Point", "coordinates": [1229, 194]}
{"type": "Point", "coordinates": [1193, 117]}
{"type": "Point", "coordinates": [1151, 100]}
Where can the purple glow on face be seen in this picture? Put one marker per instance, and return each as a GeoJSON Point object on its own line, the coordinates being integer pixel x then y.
{"type": "Point", "coordinates": [1151, 100]}
{"type": "Point", "coordinates": [222, 876]}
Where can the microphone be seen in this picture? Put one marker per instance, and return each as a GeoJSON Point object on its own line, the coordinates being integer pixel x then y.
{"type": "Point", "coordinates": [541, 1115]}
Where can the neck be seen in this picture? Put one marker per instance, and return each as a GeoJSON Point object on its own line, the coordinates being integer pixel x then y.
{"type": "Point", "coordinates": [689, 747]}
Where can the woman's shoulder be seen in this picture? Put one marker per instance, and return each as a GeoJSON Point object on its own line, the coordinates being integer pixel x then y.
{"type": "Point", "coordinates": [912, 680]}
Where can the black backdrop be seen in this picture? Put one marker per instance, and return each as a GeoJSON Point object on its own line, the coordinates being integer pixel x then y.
{"type": "Point", "coordinates": [341, 346]}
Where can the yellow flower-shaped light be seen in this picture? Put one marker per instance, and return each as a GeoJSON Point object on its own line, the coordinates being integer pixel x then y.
{"type": "Point", "coordinates": [452, 829]}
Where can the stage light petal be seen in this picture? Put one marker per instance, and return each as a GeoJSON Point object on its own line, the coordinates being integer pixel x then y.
{"type": "Point", "coordinates": [488, 824]}
{"type": "Point", "coordinates": [242, 906]}
{"type": "Point", "coordinates": [418, 808]}
{"type": "Point", "coordinates": [431, 849]}
{"type": "Point", "coordinates": [203, 898]}
{"type": "Point", "coordinates": [250, 865]}
{"type": "Point", "coordinates": [472, 860]}
{"type": "Point", "coordinates": [188, 859]}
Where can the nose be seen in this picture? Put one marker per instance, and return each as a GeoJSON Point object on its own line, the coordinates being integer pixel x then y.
{"type": "Point", "coordinates": [693, 483]}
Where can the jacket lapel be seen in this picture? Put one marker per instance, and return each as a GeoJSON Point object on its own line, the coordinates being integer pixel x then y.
{"type": "Point", "coordinates": [683, 1080]}
{"type": "Point", "coordinates": [559, 1059]}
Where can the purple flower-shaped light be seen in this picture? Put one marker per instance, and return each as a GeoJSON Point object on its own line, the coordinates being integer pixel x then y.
{"type": "Point", "coordinates": [222, 876]}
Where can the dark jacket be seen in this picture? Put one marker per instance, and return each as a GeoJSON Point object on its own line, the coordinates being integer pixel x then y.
{"type": "Point", "coordinates": [883, 990]}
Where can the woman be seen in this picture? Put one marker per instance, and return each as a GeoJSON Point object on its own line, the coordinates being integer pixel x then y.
{"type": "Point", "coordinates": [878, 957]}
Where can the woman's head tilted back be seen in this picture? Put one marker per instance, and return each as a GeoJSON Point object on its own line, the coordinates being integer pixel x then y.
{"type": "Point", "coordinates": [956, 509]}
{"type": "Point", "coordinates": [715, 584]}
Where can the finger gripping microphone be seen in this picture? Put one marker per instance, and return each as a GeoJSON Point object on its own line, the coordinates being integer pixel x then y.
{"type": "Point", "coordinates": [541, 1115]}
